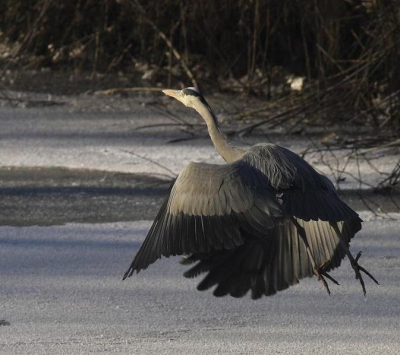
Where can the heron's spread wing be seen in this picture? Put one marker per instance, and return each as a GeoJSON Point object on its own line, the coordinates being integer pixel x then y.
{"type": "Point", "coordinates": [210, 207]}
{"type": "Point", "coordinates": [234, 222]}
{"type": "Point", "coordinates": [306, 194]}
{"type": "Point", "coordinates": [266, 266]}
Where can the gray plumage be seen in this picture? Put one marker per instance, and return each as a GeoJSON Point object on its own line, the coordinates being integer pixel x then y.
{"type": "Point", "coordinates": [243, 223]}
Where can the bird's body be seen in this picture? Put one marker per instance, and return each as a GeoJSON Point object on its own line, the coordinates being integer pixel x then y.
{"type": "Point", "coordinates": [261, 222]}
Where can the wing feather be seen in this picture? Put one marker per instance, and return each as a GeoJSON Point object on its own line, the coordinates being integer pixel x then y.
{"type": "Point", "coordinates": [220, 195]}
{"type": "Point", "coordinates": [306, 194]}
{"type": "Point", "coordinates": [266, 266]}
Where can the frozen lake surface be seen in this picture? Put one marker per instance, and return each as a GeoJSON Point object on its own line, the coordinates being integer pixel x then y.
{"type": "Point", "coordinates": [61, 292]}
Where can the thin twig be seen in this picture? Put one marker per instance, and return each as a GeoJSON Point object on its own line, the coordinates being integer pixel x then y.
{"type": "Point", "coordinates": [168, 42]}
{"type": "Point", "coordinates": [151, 161]}
{"type": "Point", "coordinates": [157, 125]}
{"type": "Point", "coordinates": [115, 91]}
{"type": "Point", "coordinates": [32, 33]}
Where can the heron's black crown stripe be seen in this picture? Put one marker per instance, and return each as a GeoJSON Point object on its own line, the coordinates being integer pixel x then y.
{"type": "Point", "coordinates": [192, 91]}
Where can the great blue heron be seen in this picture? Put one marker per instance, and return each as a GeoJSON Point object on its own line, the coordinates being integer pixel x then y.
{"type": "Point", "coordinates": [261, 222]}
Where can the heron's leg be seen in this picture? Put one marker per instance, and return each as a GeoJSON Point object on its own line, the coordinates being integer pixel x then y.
{"type": "Point", "coordinates": [318, 270]}
{"type": "Point", "coordinates": [353, 261]}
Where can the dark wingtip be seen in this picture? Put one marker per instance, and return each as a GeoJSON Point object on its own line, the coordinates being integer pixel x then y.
{"type": "Point", "coordinates": [202, 286]}
{"type": "Point", "coordinates": [127, 274]}
{"type": "Point", "coordinates": [130, 272]}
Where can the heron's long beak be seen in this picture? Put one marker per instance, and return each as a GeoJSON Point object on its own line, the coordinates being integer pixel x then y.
{"type": "Point", "coordinates": [176, 94]}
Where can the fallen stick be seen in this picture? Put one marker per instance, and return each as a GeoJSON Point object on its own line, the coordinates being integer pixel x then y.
{"type": "Point", "coordinates": [115, 91]}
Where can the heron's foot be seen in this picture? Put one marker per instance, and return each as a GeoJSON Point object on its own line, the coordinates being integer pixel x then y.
{"type": "Point", "coordinates": [320, 273]}
{"type": "Point", "coordinates": [357, 268]}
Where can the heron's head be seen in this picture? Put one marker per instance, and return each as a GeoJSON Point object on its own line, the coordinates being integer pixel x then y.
{"type": "Point", "coordinates": [190, 97]}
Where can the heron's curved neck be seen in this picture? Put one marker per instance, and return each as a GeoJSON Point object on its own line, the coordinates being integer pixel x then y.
{"type": "Point", "coordinates": [225, 148]}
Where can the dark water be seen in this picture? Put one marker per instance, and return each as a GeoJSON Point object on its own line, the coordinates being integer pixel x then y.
{"type": "Point", "coordinates": [53, 196]}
